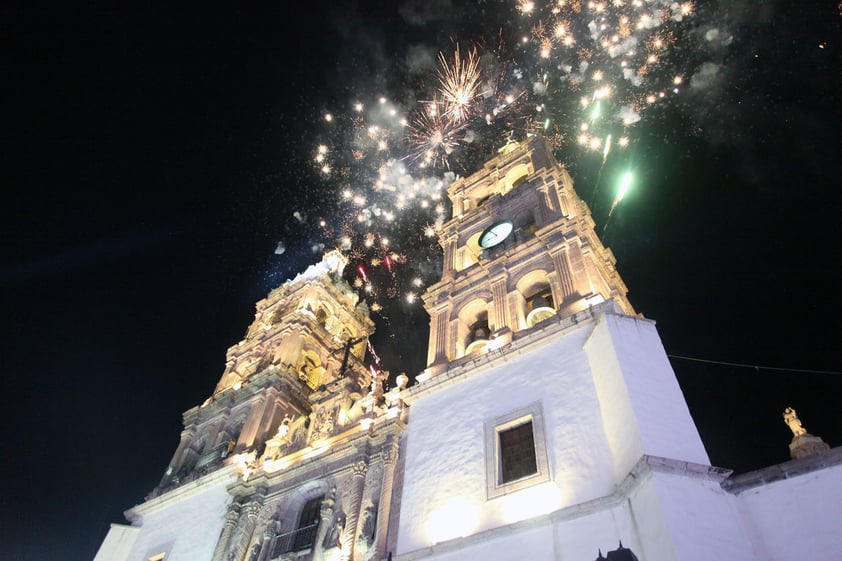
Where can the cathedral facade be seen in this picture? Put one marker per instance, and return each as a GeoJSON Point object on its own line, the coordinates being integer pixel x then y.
{"type": "Point", "coordinates": [548, 424]}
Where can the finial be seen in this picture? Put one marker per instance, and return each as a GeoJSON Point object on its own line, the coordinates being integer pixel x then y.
{"type": "Point", "coordinates": [803, 443]}
{"type": "Point", "coordinates": [794, 423]}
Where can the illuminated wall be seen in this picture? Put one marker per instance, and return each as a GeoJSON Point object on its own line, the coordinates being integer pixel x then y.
{"type": "Point", "coordinates": [606, 400]}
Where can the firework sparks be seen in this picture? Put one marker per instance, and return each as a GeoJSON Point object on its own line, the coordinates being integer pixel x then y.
{"type": "Point", "coordinates": [578, 70]}
{"type": "Point", "coordinates": [432, 136]}
{"type": "Point", "coordinates": [459, 84]}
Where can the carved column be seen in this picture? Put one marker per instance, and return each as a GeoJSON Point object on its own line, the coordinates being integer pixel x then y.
{"type": "Point", "coordinates": [449, 246]}
{"type": "Point", "coordinates": [188, 435]}
{"type": "Point", "coordinates": [326, 515]}
{"type": "Point", "coordinates": [499, 296]}
{"type": "Point", "coordinates": [349, 534]}
{"type": "Point", "coordinates": [390, 456]}
{"type": "Point", "coordinates": [565, 277]}
{"type": "Point", "coordinates": [250, 427]}
{"type": "Point", "coordinates": [578, 268]}
{"type": "Point", "coordinates": [250, 512]}
{"type": "Point", "coordinates": [269, 533]}
{"type": "Point", "coordinates": [545, 208]}
{"type": "Point", "coordinates": [231, 519]}
{"type": "Point", "coordinates": [437, 350]}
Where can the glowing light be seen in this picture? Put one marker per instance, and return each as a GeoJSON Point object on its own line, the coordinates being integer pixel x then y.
{"type": "Point", "coordinates": [456, 519]}
{"type": "Point", "coordinates": [531, 502]}
{"type": "Point", "coordinates": [328, 117]}
{"type": "Point", "coordinates": [625, 183]}
{"type": "Point", "coordinates": [526, 6]}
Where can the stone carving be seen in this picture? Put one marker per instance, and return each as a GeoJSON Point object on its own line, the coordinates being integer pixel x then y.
{"type": "Point", "coordinates": [794, 423]}
{"type": "Point", "coordinates": [328, 504]}
{"type": "Point", "coordinates": [368, 527]}
{"type": "Point", "coordinates": [323, 424]}
{"type": "Point", "coordinates": [803, 443]}
{"type": "Point", "coordinates": [272, 529]}
{"type": "Point", "coordinates": [334, 533]}
{"type": "Point", "coordinates": [360, 468]}
{"type": "Point", "coordinates": [286, 439]}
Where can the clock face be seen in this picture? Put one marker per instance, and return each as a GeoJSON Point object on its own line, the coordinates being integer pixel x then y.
{"type": "Point", "coordinates": [495, 234]}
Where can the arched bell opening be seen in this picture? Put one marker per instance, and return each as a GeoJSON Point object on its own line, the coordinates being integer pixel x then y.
{"type": "Point", "coordinates": [478, 337]}
{"type": "Point", "coordinates": [515, 177]}
{"type": "Point", "coordinates": [535, 302]}
{"type": "Point", "coordinates": [310, 369]}
{"type": "Point", "coordinates": [473, 329]}
{"type": "Point", "coordinates": [540, 307]}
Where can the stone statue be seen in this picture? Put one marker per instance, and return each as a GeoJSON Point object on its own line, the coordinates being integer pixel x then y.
{"type": "Point", "coordinates": [368, 527]}
{"type": "Point", "coordinates": [794, 423]}
{"type": "Point", "coordinates": [334, 533]}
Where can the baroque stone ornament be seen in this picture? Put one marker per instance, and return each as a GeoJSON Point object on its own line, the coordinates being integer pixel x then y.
{"type": "Point", "coordinates": [360, 469]}
{"type": "Point", "coordinates": [368, 527]}
{"type": "Point", "coordinates": [334, 533]}
{"type": "Point", "coordinates": [793, 422]}
{"type": "Point", "coordinates": [323, 424]}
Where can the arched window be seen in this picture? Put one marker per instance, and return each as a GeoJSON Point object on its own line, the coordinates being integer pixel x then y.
{"type": "Point", "coordinates": [304, 535]}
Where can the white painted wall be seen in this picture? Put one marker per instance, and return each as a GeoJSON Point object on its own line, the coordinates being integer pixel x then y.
{"type": "Point", "coordinates": [703, 519]}
{"type": "Point", "coordinates": [798, 518]}
{"type": "Point", "coordinates": [643, 408]}
{"type": "Point", "coordinates": [445, 474]}
{"type": "Point", "coordinates": [117, 543]}
{"type": "Point", "coordinates": [609, 396]}
{"type": "Point", "coordinates": [187, 528]}
{"type": "Point", "coordinates": [577, 532]}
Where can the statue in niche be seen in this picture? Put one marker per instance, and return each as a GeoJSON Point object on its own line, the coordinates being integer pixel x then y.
{"type": "Point", "coordinates": [368, 527]}
{"type": "Point", "coordinates": [283, 428]}
{"type": "Point", "coordinates": [334, 533]}
{"type": "Point", "coordinates": [793, 422]}
{"type": "Point", "coordinates": [284, 439]}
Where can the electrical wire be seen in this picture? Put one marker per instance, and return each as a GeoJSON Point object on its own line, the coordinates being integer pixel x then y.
{"type": "Point", "coordinates": [754, 366]}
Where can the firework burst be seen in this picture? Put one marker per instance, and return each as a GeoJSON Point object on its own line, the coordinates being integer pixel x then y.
{"type": "Point", "coordinates": [458, 84]}
{"type": "Point", "coordinates": [432, 136]}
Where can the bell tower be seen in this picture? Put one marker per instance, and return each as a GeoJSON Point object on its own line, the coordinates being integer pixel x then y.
{"type": "Point", "coordinates": [293, 456]}
{"type": "Point", "coordinates": [519, 249]}
{"type": "Point", "coordinates": [307, 335]}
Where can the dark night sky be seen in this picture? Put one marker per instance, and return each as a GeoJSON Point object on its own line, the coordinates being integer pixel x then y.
{"type": "Point", "coordinates": [153, 159]}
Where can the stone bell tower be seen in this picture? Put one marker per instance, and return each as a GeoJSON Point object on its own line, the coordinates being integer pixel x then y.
{"type": "Point", "coordinates": [293, 456]}
{"type": "Point", "coordinates": [520, 248]}
{"type": "Point", "coordinates": [306, 334]}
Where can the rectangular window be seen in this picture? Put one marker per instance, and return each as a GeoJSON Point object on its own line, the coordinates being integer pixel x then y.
{"type": "Point", "coordinates": [515, 451]}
